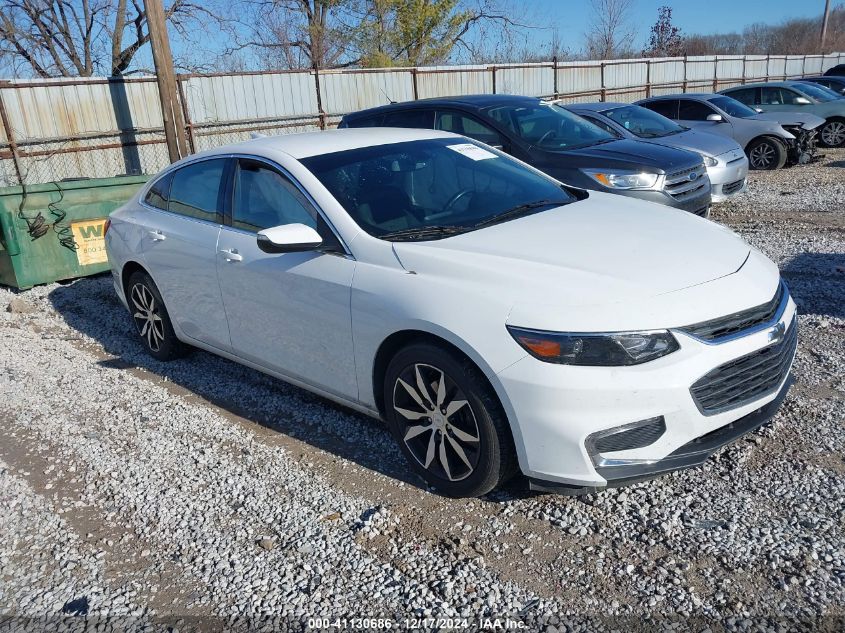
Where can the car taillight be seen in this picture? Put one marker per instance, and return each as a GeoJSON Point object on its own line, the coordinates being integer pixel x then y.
{"type": "Point", "coordinates": [106, 226]}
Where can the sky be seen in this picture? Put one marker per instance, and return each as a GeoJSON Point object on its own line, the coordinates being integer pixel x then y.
{"type": "Point", "coordinates": [572, 17]}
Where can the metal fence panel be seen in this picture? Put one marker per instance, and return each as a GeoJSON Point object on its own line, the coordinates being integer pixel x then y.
{"type": "Point", "coordinates": [535, 80]}
{"type": "Point", "coordinates": [580, 78]}
{"type": "Point", "coordinates": [346, 91]}
{"type": "Point", "coordinates": [756, 67]}
{"type": "Point", "coordinates": [444, 81]}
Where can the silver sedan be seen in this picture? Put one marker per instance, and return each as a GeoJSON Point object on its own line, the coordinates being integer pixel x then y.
{"type": "Point", "coordinates": [727, 165]}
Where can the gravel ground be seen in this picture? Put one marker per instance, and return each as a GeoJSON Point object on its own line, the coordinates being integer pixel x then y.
{"type": "Point", "coordinates": [200, 494]}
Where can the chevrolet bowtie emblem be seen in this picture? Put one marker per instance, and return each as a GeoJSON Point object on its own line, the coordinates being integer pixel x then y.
{"type": "Point", "coordinates": [776, 333]}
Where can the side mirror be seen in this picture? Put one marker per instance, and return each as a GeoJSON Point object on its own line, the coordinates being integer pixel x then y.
{"type": "Point", "coordinates": [802, 101]}
{"type": "Point", "coordinates": [758, 110]}
{"type": "Point", "coordinates": [716, 118]}
{"type": "Point", "coordinates": [288, 238]}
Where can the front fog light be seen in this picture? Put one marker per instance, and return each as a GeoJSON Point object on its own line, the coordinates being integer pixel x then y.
{"type": "Point", "coordinates": [624, 438]}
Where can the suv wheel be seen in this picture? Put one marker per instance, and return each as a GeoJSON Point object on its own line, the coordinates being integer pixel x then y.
{"type": "Point", "coordinates": [766, 153]}
{"type": "Point", "coordinates": [151, 318]}
{"type": "Point", "coordinates": [447, 421]}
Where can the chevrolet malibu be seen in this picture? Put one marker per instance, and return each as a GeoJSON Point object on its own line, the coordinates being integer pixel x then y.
{"type": "Point", "coordinates": [497, 320]}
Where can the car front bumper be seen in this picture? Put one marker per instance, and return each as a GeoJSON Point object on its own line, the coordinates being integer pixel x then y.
{"type": "Point", "coordinates": [558, 407]}
{"type": "Point", "coordinates": [699, 205]}
{"type": "Point", "coordinates": [728, 177]}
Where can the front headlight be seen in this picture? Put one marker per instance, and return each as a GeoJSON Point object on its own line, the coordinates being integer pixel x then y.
{"type": "Point", "coordinates": [621, 179]}
{"type": "Point", "coordinates": [601, 350]}
{"type": "Point", "coordinates": [709, 160]}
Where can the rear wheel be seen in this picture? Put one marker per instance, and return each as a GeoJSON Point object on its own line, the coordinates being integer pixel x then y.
{"type": "Point", "coordinates": [151, 318]}
{"type": "Point", "coordinates": [833, 133]}
{"type": "Point", "coordinates": [447, 421]}
{"type": "Point", "coordinates": [766, 153]}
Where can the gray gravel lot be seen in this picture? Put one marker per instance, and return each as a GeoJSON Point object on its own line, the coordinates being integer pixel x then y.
{"type": "Point", "coordinates": [205, 492]}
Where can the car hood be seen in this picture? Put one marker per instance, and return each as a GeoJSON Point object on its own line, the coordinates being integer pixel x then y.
{"type": "Point", "coordinates": [805, 119]}
{"type": "Point", "coordinates": [700, 142]}
{"type": "Point", "coordinates": [657, 158]}
{"type": "Point", "coordinates": [603, 250]}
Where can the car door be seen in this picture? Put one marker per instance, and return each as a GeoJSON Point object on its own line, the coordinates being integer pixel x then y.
{"type": "Point", "coordinates": [288, 312]}
{"type": "Point", "coordinates": [693, 114]}
{"type": "Point", "coordinates": [184, 212]}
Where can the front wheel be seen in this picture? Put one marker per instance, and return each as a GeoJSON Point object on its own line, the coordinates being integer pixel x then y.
{"type": "Point", "coordinates": [447, 421]}
{"type": "Point", "coordinates": [833, 134]}
{"type": "Point", "coordinates": [766, 153]}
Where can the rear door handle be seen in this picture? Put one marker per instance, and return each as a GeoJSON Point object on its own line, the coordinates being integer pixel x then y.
{"type": "Point", "coordinates": [231, 255]}
{"type": "Point", "coordinates": [156, 235]}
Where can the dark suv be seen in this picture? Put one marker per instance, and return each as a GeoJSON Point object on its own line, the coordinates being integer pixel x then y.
{"type": "Point", "coordinates": [560, 143]}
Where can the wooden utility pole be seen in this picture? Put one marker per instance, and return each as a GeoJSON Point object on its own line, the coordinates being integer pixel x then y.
{"type": "Point", "coordinates": [825, 20]}
{"type": "Point", "coordinates": [171, 113]}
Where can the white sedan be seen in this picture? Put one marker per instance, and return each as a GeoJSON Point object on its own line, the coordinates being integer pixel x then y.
{"type": "Point", "coordinates": [497, 320]}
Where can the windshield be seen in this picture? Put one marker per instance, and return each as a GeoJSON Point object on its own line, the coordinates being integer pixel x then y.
{"type": "Point", "coordinates": [733, 107]}
{"type": "Point", "coordinates": [420, 188]}
{"type": "Point", "coordinates": [643, 122]}
{"type": "Point", "coordinates": [819, 93]}
{"type": "Point", "coordinates": [548, 126]}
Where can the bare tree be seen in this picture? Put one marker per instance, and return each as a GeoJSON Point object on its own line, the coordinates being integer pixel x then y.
{"type": "Point", "coordinates": [611, 34]}
{"type": "Point", "coordinates": [339, 33]}
{"type": "Point", "coordinates": [665, 39]}
{"type": "Point", "coordinates": [67, 38]}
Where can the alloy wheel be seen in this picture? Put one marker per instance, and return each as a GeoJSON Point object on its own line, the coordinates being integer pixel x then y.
{"type": "Point", "coordinates": [147, 316]}
{"type": "Point", "coordinates": [441, 431]}
{"type": "Point", "coordinates": [833, 134]}
{"type": "Point", "coordinates": [762, 156]}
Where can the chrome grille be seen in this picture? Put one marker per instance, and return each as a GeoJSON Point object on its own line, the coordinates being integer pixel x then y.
{"type": "Point", "coordinates": [679, 186]}
{"type": "Point", "coordinates": [739, 321]}
{"type": "Point", "coordinates": [732, 187]}
{"type": "Point", "coordinates": [747, 378]}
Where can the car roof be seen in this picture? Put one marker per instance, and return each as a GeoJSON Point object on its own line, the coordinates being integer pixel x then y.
{"type": "Point", "coordinates": [698, 96]}
{"type": "Point", "coordinates": [306, 144]}
{"type": "Point", "coordinates": [597, 106]}
{"type": "Point", "coordinates": [475, 102]}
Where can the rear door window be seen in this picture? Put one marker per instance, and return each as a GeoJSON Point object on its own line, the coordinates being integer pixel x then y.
{"type": "Point", "coordinates": [159, 194]}
{"type": "Point", "coordinates": [196, 191]}
{"type": "Point", "coordinates": [689, 110]}
{"type": "Point", "coordinates": [666, 107]}
{"type": "Point", "coordinates": [423, 119]}
{"type": "Point", "coordinates": [748, 96]}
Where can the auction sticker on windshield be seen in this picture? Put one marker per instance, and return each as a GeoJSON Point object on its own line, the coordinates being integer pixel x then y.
{"type": "Point", "coordinates": [472, 151]}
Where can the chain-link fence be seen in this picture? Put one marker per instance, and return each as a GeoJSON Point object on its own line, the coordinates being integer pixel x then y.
{"type": "Point", "coordinates": [60, 129]}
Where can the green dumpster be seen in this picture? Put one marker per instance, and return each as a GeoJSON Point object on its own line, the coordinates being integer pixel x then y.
{"type": "Point", "coordinates": [54, 231]}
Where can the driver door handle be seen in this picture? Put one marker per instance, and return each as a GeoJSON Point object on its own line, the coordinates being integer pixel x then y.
{"type": "Point", "coordinates": [231, 255]}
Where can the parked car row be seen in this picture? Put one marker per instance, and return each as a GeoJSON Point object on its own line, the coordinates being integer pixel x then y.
{"type": "Point", "coordinates": [681, 150]}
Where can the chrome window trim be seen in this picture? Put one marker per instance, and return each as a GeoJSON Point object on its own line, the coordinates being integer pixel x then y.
{"type": "Point", "coordinates": [222, 225]}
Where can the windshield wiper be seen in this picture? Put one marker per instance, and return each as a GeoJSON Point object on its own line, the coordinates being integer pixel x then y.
{"type": "Point", "coordinates": [423, 232]}
{"type": "Point", "coordinates": [522, 209]}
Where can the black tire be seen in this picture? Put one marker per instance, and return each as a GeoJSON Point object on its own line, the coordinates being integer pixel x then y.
{"type": "Point", "coordinates": [766, 153]}
{"type": "Point", "coordinates": [488, 462]}
{"type": "Point", "coordinates": [147, 309]}
{"type": "Point", "coordinates": [832, 133]}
